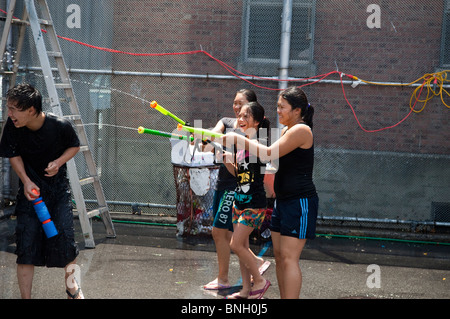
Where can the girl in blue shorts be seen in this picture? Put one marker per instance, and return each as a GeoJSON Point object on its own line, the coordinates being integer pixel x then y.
{"type": "Point", "coordinates": [295, 210]}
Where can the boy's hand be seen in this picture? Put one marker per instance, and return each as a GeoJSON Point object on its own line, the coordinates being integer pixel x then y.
{"type": "Point", "coordinates": [52, 169]}
{"type": "Point", "coordinates": [31, 191]}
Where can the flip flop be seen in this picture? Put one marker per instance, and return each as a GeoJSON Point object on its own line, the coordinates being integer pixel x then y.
{"type": "Point", "coordinates": [258, 294]}
{"type": "Point", "coordinates": [214, 285]}
{"type": "Point", "coordinates": [77, 295]}
{"type": "Point", "coordinates": [263, 268]}
{"type": "Point", "coordinates": [236, 295]}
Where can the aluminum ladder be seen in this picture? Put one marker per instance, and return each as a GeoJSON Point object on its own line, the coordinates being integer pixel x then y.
{"type": "Point", "coordinates": [43, 27]}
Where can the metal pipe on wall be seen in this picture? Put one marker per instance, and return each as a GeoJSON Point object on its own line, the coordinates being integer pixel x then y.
{"type": "Point", "coordinates": [383, 221]}
{"type": "Point", "coordinates": [285, 45]}
{"type": "Point", "coordinates": [213, 76]}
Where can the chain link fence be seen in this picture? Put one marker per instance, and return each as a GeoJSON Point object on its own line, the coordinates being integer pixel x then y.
{"type": "Point", "coordinates": [379, 161]}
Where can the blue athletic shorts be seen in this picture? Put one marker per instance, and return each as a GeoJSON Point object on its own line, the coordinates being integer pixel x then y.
{"type": "Point", "coordinates": [295, 217]}
{"type": "Point", "coordinates": [223, 207]}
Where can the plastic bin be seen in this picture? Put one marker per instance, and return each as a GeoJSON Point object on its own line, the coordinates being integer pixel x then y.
{"type": "Point", "coordinates": [195, 177]}
{"type": "Point", "coordinates": [195, 195]}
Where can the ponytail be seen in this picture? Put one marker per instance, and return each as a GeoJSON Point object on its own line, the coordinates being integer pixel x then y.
{"type": "Point", "coordinates": [265, 123]}
{"type": "Point", "coordinates": [307, 116]}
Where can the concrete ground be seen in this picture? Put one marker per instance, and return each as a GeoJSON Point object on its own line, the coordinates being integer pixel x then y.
{"type": "Point", "coordinates": [150, 262]}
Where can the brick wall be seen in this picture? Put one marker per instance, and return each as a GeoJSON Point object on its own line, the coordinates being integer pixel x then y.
{"type": "Point", "coordinates": [405, 47]}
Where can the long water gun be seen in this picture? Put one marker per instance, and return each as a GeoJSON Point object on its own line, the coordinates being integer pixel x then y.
{"type": "Point", "coordinates": [196, 130]}
{"type": "Point", "coordinates": [142, 130]}
{"type": "Point", "coordinates": [158, 107]}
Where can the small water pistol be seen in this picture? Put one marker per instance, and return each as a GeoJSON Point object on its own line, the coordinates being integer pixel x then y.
{"type": "Point", "coordinates": [44, 216]}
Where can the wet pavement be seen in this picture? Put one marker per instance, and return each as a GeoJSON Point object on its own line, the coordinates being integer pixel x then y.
{"type": "Point", "coordinates": [150, 262]}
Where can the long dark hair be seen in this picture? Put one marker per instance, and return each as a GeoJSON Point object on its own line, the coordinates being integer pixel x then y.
{"type": "Point", "coordinates": [250, 95]}
{"type": "Point", "coordinates": [257, 112]}
{"type": "Point", "coordinates": [297, 99]}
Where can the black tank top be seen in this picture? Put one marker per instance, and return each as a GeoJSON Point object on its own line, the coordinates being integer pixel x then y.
{"type": "Point", "coordinates": [226, 181]}
{"type": "Point", "coordinates": [294, 176]}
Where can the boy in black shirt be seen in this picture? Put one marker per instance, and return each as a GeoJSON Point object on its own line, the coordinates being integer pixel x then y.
{"type": "Point", "coordinates": [38, 145]}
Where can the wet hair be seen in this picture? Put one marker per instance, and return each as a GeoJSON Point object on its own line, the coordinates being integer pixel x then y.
{"type": "Point", "coordinates": [257, 112]}
{"type": "Point", "coordinates": [25, 96]}
{"type": "Point", "coordinates": [297, 99]}
{"type": "Point", "coordinates": [250, 95]}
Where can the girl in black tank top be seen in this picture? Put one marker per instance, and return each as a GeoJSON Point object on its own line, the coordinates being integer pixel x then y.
{"type": "Point", "coordinates": [295, 211]}
{"type": "Point", "coordinates": [293, 178]}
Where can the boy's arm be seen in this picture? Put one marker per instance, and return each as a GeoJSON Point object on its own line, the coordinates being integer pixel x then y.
{"type": "Point", "coordinates": [53, 167]}
{"type": "Point", "coordinates": [28, 185]}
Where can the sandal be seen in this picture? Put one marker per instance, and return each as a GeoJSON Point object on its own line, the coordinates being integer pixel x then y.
{"type": "Point", "coordinates": [214, 285]}
{"type": "Point", "coordinates": [263, 268]}
{"type": "Point", "coordinates": [258, 294]}
{"type": "Point", "coordinates": [236, 295]}
{"type": "Point", "coordinates": [77, 295]}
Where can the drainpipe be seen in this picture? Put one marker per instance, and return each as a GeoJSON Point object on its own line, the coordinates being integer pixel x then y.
{"type": "Point", "coordinates": [285, 46]}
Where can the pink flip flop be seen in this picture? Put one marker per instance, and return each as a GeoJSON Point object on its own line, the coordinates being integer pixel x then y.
{"type": "Point", "coordinates": [263, 268]}
{"type": "Point", "coordinates": [214, 285]}
{"type": "Point", "coordinates": [258, 294]}
{"type": "Point", "coordinates": [236, 295]}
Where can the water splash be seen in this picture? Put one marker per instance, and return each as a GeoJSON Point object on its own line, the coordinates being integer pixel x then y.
{"type": "Point", "coordinates": [110, 125]}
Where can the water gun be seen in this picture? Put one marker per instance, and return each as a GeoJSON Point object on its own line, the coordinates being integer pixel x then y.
{"type": "Point", "coordinates": [44, 216]}
{"type": "Point", "coordinates": [158, 107]}
{"type": "Point", "coordinates": [142, 130]}
{"type": "Point", "coordinates": [195, 130]}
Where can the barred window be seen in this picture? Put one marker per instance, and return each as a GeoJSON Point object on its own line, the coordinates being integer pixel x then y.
{"type": "Point", "coordinates": [445, 47]}
{"type": "Point", "coordinates": [262, 34]}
